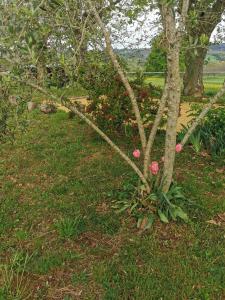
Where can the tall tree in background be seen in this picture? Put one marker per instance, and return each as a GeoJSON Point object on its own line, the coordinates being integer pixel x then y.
{"type": "Point", "coordinates": [156, 61]}
{"type": "Point", "coordinates": [204, 16]}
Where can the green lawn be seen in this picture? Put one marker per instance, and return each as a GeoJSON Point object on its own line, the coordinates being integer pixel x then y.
{"type": "Point", "coordinates": [60, 239]}
{"type": "Point", "coordinates": [212, 83]}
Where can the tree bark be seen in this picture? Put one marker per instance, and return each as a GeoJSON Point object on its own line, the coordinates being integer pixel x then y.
{"type": "Point", "coordinates": [174, 92]}
{"type": "Point", "coordinates": [151, 139]}
{"type": "Point", "coordinates": [193, 77]}
{"type": "Point", "coordinates": [209, 15]}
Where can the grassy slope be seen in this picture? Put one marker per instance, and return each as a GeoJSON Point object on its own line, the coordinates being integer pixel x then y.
{"type": "Point", "coordinates": [59, 171]}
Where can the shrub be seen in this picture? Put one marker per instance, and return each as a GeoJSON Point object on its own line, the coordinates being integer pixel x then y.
{"type": "Point", "coordinates": [169, 206]}
{"type": "Point", "coordinates": [210, 133]}
{"type": "Point", "coordinates": [110, 104]}
{"type": "Point", "coordinates": [56, 76]}
{"type": "Point", "coordinates": [213, 132]}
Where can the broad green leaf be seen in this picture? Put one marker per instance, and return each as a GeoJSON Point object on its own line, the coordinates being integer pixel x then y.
{"type": "Point", "coordinates": [145, 223]}
{"type": "Point", "coordinates": [181, 214]}
{"type": "Point", "coordinates": [162, 217]}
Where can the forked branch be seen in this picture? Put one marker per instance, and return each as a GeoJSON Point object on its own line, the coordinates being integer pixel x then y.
{"type": "Point", "coordinates": [203, 114]}
{"type": "Point", "coordinates": [121, 74]}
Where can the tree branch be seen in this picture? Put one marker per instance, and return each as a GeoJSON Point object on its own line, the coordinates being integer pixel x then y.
{"type": "Point", "coordinates": [147, 157]}
{"type": "Point", "coordinates": [73, 108]}
{"type": "Point", "coordinates": [183, 18]}
{"type": "Point", "coordinates": [203, 114]}
{"type": "Point", "coordinates": [122, 76]}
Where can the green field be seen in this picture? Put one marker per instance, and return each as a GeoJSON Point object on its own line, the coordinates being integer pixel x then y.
{"type": "Point", "coordinates": [212, 83]}
{"type": "Point", "coordinates": [60, 238]}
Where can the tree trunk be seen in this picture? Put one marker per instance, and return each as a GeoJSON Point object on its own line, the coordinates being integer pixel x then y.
{"type": "Point", "coordinates": [174, 90]}
{"type": "Point", "coordinates": [193, 77]}
{"type": "Point", "coordinates": [174, 94]}
{"type": "Point", "coordinates": [209, 15]}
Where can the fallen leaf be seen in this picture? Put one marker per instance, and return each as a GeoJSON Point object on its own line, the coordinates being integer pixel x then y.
{"type": "Point", "coordinates": [221, 171]}
{"type": "Point", "coordinates": [204, 154]}
{"type": "Point", "coordinates": [222, 216]}
{"type": "Point", "coordinates": [213, 222]}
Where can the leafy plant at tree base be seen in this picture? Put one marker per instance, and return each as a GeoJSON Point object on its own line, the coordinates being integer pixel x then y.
{"type": "Point", "coordinates": [167, 205]}
{"type": "Point", "coordinates": [181, 134]}
{"type": "Point", "coordinates": [196, 141]}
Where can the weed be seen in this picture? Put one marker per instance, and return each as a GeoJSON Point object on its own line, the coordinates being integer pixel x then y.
{"type": "Point", "coordinates": [15, 284]}
{"type": "Point", "coordinates": [81, 277]}
{"type": "Point", "coordinates": [70, 227]}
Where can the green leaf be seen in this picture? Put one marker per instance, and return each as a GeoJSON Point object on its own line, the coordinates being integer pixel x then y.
{"type": "Point", "coordinates": [145, 223]}
{"type": "Point", "coordinates": [133, 206]}
{"type": "Point", "coordinates": [181, 214]}
{"type": "Point", "coordinates": [162, 216]}
{"type": "Point", "coordinates": [173, 214]}
{"type": "Point", "coordinates": [153, 197]}
{"type": "Point", "coordinates": [122, 209]}
{"type": "Point", "coordinates": [150, 222]}
{"type": "Point", "coordinates": [139, 222]}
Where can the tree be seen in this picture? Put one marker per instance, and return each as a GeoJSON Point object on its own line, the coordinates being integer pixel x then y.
{"type": "Point", "coordinates": [204, 16]}
{"type": "Point", "coordinates": [156, 61]}
{"type": "Point", "coordinates": [95, 27]}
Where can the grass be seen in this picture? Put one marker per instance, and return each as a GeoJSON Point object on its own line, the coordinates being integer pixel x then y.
{"type": "Point", "coordinates": [212, 84]}
{"type": "Point", "coordinates": [55, 218]}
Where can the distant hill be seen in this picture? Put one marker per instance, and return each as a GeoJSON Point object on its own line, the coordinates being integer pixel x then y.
{"type": "Point", "coordinates": [216, 53]}
{"type": "Point", "coordinates": [217, 48]}
{"type": "Point", "coordinates": [141, 54]}
{"type": "Point", "coordinates": [136, 58]}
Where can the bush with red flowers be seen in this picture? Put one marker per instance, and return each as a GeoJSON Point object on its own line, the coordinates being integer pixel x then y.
{"type": "Point", "coordinates": [110, 105]}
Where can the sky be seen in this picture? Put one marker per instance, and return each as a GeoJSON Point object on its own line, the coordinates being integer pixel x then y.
{"type": "Point", "coordinates": [139, 34]}
{"type": "Point", "coordinates": [136, 35]}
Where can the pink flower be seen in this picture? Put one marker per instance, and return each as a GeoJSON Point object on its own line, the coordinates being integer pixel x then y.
{"type": "Point", "coordinates": [154, 167]}
{"type": "Point", "coordinates": [179, 148]}
{"type": "Point", "coordinates": [136, 153]}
